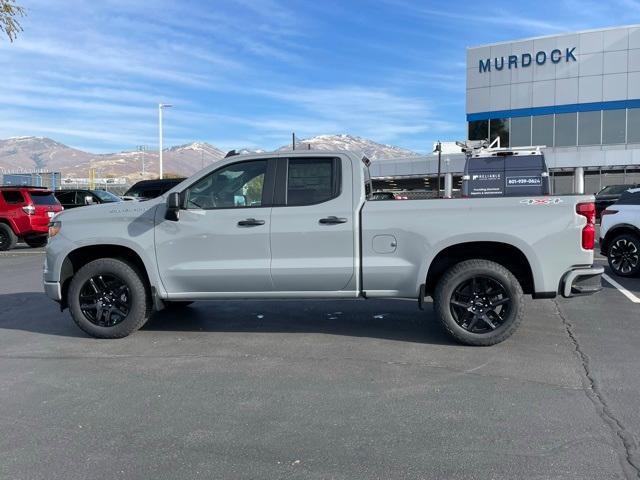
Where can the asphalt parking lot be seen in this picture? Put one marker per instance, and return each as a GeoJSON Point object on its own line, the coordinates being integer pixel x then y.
{"type": "Point", "coordinates": [326, 389]}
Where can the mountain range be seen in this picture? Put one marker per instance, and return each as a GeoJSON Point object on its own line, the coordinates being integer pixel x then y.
{"type": "Point", "coordinates": [28, 153]}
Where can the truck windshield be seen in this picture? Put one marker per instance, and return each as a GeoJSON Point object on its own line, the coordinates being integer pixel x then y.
{"type": "Point", "coordinates": [614, 189]}
{"type": "Point", "coordinates": [43, 198]}
{"type": "Point", "coordinates": [106, 197]}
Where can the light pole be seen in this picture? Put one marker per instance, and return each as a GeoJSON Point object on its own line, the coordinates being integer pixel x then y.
{"type": "Point", "coordinates": [142, 149]}
{"type": "Point", "coordinates": [161, 106]}
{"type": "Point", "coordinates": [439, 150]}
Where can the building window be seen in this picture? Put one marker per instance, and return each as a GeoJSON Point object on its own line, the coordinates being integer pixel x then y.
{"type": "Point", "coordinates": [633, 125]}
{"type": "Point", "coordinates": [499, 127]}
{"type": "Point", "coordinates": [565, 135]}
{"type": "Point", "coordinates": [592, 181]}
{"type": "Point", "coordinates": [613, 126]}
{"type": "Point", "coordinates": [589, 128]}
{"type": "Point", "coordinates": [520, 133]}
{"type": "Point", "coordinates": [479, 130]}
{"type": "Point", "coordinates": [562, 183]}
{"type": "Point", "coordinates": [542, 130]}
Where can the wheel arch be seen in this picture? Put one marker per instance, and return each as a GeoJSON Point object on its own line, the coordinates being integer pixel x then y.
{"type": "Point", "coordinates": [613, 232]}
{"type": "Point", "coordinates": [509, 256]}
{"type": "Point", "coordinates": [79, 257]}
{"type": "Point", "coordinates": [10, 224]}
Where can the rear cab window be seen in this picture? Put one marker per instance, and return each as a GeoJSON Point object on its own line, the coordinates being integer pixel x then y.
{"type": "Point", "coordinates": [312, 180]}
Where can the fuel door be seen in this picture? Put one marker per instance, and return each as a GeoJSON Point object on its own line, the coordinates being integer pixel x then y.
{"type": "Point", "coordinates": [384, 244]}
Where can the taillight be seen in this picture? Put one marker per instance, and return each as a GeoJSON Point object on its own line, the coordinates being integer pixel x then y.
{"type": "Point", "coordinates": [29, 209]}
{"type": "Point", "coordinates": [608, 212]}
{"type": "Point", "coordinates": [588, 210]}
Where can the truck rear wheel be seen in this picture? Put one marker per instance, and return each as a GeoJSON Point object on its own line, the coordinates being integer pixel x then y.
{"type": "Point", "coordinates": [108, 298]}
{"type": "Point", "coordinates": [8, 239]}
{"type": "Point", "coordinates": [479, 302]}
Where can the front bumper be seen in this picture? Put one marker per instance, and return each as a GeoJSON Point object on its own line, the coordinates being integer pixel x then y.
{"type": "Point", "coordinates": [582, 281]}
{"type": "Point", "coordinates": [53, 290]}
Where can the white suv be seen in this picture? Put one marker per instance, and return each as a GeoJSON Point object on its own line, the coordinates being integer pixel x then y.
{"type": "Point", "coordinates": [620, 234]}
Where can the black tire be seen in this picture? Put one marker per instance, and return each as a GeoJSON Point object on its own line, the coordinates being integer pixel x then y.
{"type": "Point", "coordinates": [8, 239]}
{"type": "Point", "coordinates": [462, 311]}
{"type": "Point", "coordinates": [36, 242]}
{"type": "Point", "coordinates": [121, 280]}
{"type": "Point", "coordinates": [624, 255]}
{"type": "Point", "coordinates": [176, 304]}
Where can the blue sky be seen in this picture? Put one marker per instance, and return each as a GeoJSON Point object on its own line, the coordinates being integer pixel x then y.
{"type": "Point", "coordinates": [245, 73]}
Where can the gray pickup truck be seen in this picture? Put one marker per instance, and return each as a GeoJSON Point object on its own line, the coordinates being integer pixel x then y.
{"type": "Point", "coordinates": [301, 225]}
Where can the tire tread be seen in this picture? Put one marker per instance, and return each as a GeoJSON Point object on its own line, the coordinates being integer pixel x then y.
{"type": "Point", "coordinates": [110, 264]}
{"type": "Point", "coordinates": [440, 303]}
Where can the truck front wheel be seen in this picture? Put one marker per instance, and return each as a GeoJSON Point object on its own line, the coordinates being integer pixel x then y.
{"type": "Point", "coordinates": [479, 302]}
{"type": "Point", "coordinates": [108, 298]}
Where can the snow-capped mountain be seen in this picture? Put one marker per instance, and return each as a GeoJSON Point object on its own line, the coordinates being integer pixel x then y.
{"type": "Point", "coordinates": [38, 152]}
{"type": "Point", "coordinates": [45, 153]}
{"type": "Point", "coordinates": [373, 150]}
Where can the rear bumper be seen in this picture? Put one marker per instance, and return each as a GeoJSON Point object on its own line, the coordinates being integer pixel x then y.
{"type": "Point", "coordinates": [582, 281]}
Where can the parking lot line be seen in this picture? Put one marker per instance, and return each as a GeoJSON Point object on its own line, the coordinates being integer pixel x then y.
{"type": "Point", "coordinates": [622, 290]}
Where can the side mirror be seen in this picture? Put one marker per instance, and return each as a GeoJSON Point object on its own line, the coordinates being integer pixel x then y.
{"type": "Point", "coordinates": [173, 207]}
{"type": "Point", "coordinates": [88, 200]}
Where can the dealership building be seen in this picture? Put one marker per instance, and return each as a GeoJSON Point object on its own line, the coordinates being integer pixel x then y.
{"type": "Point", "coordinates": [578, 94]}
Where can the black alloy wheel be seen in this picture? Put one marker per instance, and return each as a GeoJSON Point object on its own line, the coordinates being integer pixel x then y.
{"type": "Point", "coordinates": [480, 304]}
{"type": "Point", "coordinates": [624, 255]}
{"type": "Point", "coordinates": [8, 239]}
{"type": "Point", "coordinates": [105, 300]}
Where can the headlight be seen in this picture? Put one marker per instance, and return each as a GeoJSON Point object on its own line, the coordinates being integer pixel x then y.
{"type": "Point", "coordinates": [54, 228]}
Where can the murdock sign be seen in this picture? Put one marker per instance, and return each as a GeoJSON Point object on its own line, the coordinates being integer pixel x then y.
{"type": "Point", "coordinates": [527, 59]}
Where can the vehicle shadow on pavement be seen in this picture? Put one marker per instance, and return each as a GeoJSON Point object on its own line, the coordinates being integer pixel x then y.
{"type": "Point", "coordinates": [35, 312]}
{"type": "Point", "coordinates": [384, 319]}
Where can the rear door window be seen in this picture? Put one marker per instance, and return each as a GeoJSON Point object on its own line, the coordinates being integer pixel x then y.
{"type": "Point", "coordinates": [43, 198]}
{"type": "Point", "coordinates": [66, 198]}
{"type": "Point", "coordinates": [312, 180]}
{"type": "Point", "coordinates": [13, 198]}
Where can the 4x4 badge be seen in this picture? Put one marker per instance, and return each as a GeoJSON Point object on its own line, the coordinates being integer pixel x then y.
{"type": "Point", "coordinates": [541, 201]}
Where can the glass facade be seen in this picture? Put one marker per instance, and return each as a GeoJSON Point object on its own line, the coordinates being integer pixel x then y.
{"type": "Point", "coordinates": [542, 130]}
{"type": "Point", "coordinates": [633, 125]}
{"type": "Point", "coordinates": [499, 127]}
{"type": "Point", "coordinates": [589, 128]}
{"type": "Point", "coordinates": [520, 134]}
{"type": "Point", "coordinates": [614, 127]}
{"type": "Point", "coordinates": [566, 130]}
{"type": "Point", "coordinates": [602, 127]}
{"type": "Point", "coordinates": [479, 130]}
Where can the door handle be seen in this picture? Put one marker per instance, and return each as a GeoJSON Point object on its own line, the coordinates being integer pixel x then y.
{"type": "Point", "coordinates": [250, 222]}
{"type": "Point", "coordinates": [332, 220]}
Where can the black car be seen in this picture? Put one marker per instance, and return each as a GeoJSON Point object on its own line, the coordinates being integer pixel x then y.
{"type": "Point", "coordinates": [80, 197]}
{"type": "Point", "coordinates": [610, 195]}
{"type": "Point", "coordinates": [146, 189]}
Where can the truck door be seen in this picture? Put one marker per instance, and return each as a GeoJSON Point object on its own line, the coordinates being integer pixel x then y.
{"type": "Point", "coordinates": [312, 225]}
{"type": "Point", "coordinates": [220, 242]}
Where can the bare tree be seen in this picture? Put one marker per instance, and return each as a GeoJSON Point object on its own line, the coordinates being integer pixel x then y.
{"type": "Point", "coordinates": [9, 14]}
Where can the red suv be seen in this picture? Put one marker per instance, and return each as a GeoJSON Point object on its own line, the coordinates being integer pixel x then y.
{"type": "Point", "coordinates": [25, 213]}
